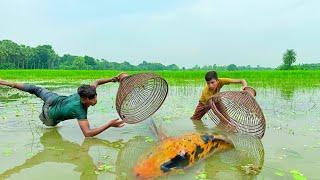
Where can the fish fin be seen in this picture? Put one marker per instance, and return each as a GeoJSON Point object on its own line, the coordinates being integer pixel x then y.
{"type": "Point", "coordinates": [159, 133]}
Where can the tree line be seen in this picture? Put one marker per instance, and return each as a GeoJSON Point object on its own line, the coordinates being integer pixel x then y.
{"type": "Point", "coordinates": [15, 56]}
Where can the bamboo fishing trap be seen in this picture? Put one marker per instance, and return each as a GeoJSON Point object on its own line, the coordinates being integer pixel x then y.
{"type": "Point", "coordinates": [238, 111]}
{"type": "Point", "coordinates": [139, 96]}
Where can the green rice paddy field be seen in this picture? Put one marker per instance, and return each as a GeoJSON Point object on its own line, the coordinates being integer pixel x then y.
{"type": "Point", "coordinates": [290, 148]}
{"type": "Point", "coordinates": [270, 78]}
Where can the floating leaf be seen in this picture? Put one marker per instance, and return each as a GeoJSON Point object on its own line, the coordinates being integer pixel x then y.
{"type": "Point", "coordinates": [202, 176]}
{"type": "Point", "coordinates": [148, 139]}
{"type": "Point", "coordinates": [104, 168]}
{"type": "Point", "coordinates": [297, 175]}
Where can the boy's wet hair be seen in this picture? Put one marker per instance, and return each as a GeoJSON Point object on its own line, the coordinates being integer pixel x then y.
{"type": "Point", "coordinates": [87, 91]}
{"type": "Point", "coordinates": [211, 75]}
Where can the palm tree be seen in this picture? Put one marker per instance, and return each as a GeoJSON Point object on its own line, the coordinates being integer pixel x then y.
{"type": "Point", "coordinates": [289, 58]}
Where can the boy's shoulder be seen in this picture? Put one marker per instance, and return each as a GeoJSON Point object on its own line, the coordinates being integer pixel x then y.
{"type": "Point", "coordinates": [225, 80]}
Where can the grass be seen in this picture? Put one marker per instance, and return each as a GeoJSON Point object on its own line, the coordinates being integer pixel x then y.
{"type": "Point", "coordinates": [269, 78]}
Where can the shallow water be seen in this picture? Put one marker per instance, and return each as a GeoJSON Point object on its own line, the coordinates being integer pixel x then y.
{"type": "Point", "coordinates": [29, 150]}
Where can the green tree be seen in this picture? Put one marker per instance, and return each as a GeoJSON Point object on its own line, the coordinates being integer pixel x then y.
{"type": "Point", "coordinates": [151, 66]}
{"type": "Point", "coordinates": [3, 53]}
{"type": "Point", "coordinates": [7, 66]}
{"type": "Point", "coordinates": [196, 67]}
{"type": "Point", "coordinates": [172, 67]}
{"type": "Point", "coordinates": [90, 61]}
{"type": "Point", "coordinates": [46, 57]}
{"type": "Point", "coordinates": [27, 57]}
{"type": "Point", "coordinates": [232, 67]}
{"type": "Point", "coordinates": [11, 52]}
{"type": "Point", "coordinates": [79, 63]}
{"type": "Point", "coordinates": [126, 66]}
{"type": "Point", "coordinates": [289, 57]}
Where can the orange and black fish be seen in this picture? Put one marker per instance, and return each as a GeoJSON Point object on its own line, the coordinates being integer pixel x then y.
{"type": "Point", "coordinates": [179, 152]}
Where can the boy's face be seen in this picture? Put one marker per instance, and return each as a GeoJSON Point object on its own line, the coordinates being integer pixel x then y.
{"type": "Point", "coordinates": [91, 102]}
{"type": "Point", "coordinates": [213, 84]}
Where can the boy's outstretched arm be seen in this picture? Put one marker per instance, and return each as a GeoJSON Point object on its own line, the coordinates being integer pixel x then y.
{"type": "Point", "coordinates": [103, 81]}
{"type": "Point", "coordinates": [238, 81]}
{"type": "Point", "coordinates": [88, 132]}
{"type": "Point", "coordinates": [12, 84]}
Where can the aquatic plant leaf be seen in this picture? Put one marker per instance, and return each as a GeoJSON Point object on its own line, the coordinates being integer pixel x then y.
{"type": "Point", "coordinates": [148, 139]}
{"type": "Point", "coordinates": [297, 175]}
{"type": "Point", "coordinates": [202, 176]}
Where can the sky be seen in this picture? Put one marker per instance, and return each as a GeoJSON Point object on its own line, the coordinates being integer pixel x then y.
{"type": "Point", "coordinates": [183, 32]}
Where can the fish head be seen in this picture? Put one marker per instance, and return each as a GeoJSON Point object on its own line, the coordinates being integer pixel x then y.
{"type": "Point", "coordinates": [169, 155]}
{"type": "Point", "coordinates": [147, 169]}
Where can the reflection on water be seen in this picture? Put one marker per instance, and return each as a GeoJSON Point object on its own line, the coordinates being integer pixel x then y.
{"type": "Point", "coordinates": [7, 95]}
{"type": "Point", "coordinates": [287, 92]}
{"type": "Point", "coordinates": [245, 161]}
{"type": "Point", "coordinates": [58, 150]}
{"type": "Point", "coordinates": [128, 156]}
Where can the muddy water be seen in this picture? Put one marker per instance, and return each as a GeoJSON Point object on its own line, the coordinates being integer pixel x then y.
{"type": "Point", "coordinates": [29, 150]}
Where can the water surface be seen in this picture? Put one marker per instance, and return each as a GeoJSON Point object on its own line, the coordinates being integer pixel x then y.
{"type": "Point", "coordinates": [29, 150]}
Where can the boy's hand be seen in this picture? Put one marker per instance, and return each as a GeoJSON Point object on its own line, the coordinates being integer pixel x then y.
{"type": "Point", "coordinates": [116, 123]}
{"type": "Point", "coordinates": [115, 79]}
{"type": "Point", "coordinates": [250, 90]}
{"type": "Point", "coordinates": [122, 76]}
